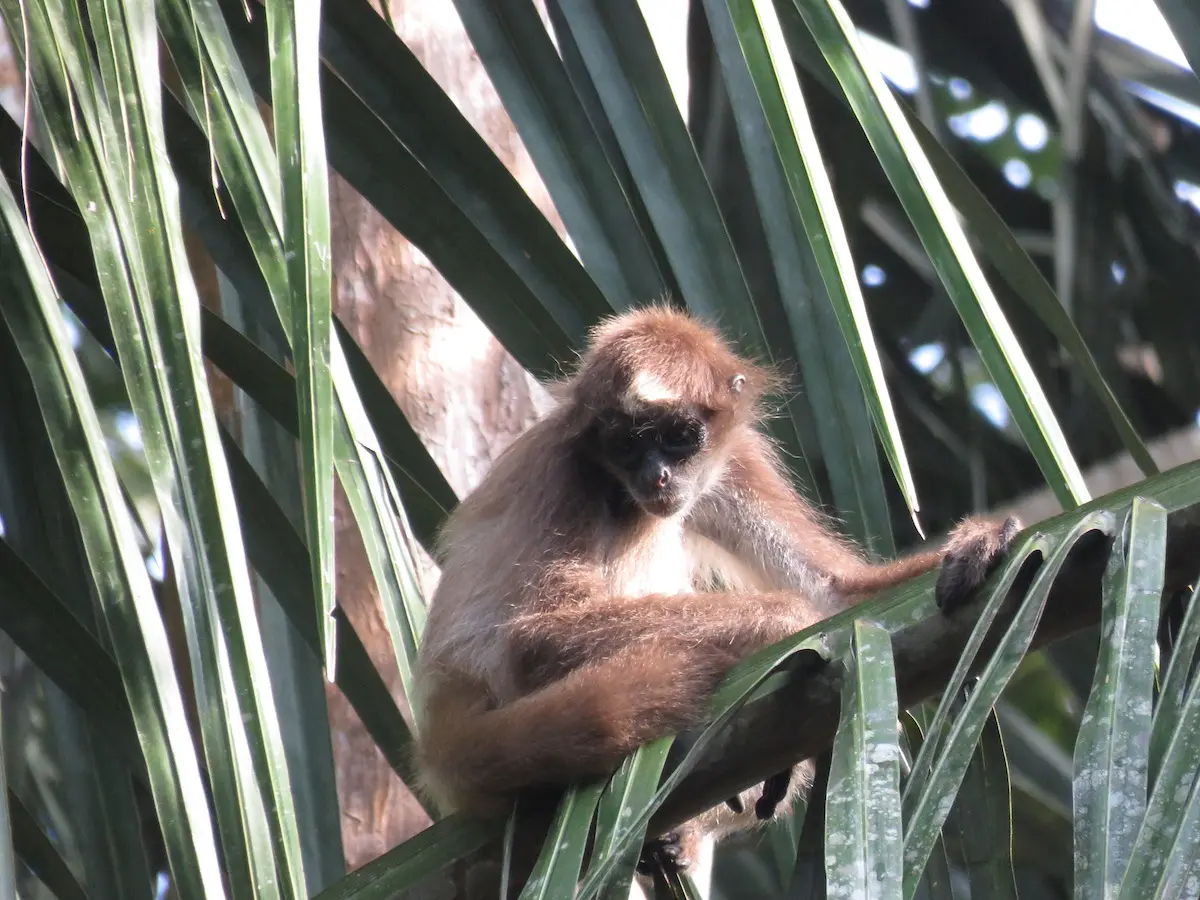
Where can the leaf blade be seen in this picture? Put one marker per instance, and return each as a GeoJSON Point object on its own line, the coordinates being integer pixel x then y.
{"type": "Point", "coordinates": [927, 812]}
{"type": "Point", "coordinates": [785, 115]}
{"type": "Point", "coordinates": [864, 847]}
{"type": "Point", "coordinates": [30, 312]}
{"type": "Point", "coordinates": [295, 66]}
{"type": "Point", "coordinates": [925, 201]}
{"type": "Point", "coordinates": [1113, 746]}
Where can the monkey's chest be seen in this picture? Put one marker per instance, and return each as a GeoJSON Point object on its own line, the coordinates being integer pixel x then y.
{"type": "Point", "coordinates": [658, 564]}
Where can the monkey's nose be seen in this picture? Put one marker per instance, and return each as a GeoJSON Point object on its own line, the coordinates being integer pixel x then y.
{"type": "Point", "coordinates": [664, 478]}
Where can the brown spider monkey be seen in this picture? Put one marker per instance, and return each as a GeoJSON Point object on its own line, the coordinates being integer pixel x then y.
{"type": "Point", "coordinates": [619, 557]}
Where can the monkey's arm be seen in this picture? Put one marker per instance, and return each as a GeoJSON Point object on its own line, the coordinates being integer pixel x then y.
{"type": "Point", "coordinates": [721, 627]}
{"type": "Point", "coordinates": [756, 514]}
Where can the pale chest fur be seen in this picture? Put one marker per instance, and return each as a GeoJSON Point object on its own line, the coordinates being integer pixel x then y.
{"type": "Point", "coordinates": [672, 560]}
{"type": "Point", "coordinates": [657, 563]}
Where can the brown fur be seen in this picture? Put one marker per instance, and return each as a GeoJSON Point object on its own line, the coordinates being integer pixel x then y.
{"type": "Point", "coordinates": [570, 626]}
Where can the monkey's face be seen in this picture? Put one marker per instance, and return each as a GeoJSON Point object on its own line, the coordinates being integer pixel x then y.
{"type": "Point", "coordinates": [656, 455]}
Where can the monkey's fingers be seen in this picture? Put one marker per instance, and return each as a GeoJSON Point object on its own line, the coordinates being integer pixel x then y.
{"type": "Point", "coordinates": [975, 548]}
{"type": "Point", "coordinates": [774, 791]}
{"type": "Point", "coordinates": [668, 852]}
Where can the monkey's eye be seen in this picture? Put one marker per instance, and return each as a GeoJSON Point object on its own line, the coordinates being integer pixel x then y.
{"type": "Point", "coordinates": [623, 445]}
{"type": "Point", "coordinates": [681, 438]}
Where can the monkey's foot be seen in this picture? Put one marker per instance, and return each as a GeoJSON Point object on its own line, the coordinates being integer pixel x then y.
{"type": "Point", "coordinates": [974, 549]}
{"type": "Point", "coordinates": [774, 792]}
{"type": "Point", "coordinates": [672, 852]}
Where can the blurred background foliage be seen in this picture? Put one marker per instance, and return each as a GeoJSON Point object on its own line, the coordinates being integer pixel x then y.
{"type": "Point", "coordinates": [472, 147]}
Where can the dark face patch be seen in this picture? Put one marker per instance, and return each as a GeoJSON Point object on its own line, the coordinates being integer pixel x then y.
{"type": "Point", "coordinates": [650, 452]}
{"type": "Point", "coordinates": [626, 438]}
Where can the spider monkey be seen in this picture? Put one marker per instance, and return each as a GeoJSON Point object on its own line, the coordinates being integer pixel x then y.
{"type": "Point", "coordinates": [620, 556]}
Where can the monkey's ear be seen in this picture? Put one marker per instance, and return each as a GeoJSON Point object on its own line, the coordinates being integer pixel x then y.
{"type": "Point", "coordinates": [737, 383]}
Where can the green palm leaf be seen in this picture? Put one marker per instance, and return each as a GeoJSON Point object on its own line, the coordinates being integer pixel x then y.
{"type": "Point", "coordinates": [32, 315]}
{"type": "Point", "coordinates": [942, 236]}
{"type": "Point", "coordinates": [864, 845]}
{"type": "Point", "coordinates": [295, 71]}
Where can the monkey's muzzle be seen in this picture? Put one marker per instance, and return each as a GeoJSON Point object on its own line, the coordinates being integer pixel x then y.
{"type": "Point", "coordinates": [659, 491]}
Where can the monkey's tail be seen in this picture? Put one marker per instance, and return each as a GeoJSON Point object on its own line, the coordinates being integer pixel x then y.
{"type": "Point", "coordinates": [581, 726]}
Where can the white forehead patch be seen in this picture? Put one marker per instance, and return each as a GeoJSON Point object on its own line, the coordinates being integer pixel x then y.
{"type": "Point", "coordinates": [648, 389]}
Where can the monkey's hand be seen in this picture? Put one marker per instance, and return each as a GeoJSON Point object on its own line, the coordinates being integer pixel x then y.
{"type": "Point", "coordinates": [975, 547]}
{"type": "Point", "coordinates": [674, 852]}
{"type": "Point", "coordinates": [774, 792]}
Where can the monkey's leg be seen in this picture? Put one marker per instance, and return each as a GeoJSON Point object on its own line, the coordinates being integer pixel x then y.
{"type": "Point", "coordinates": [774, 791]}
{"type": "Point", "coordinates": [775, 797]}
{"type": "Point", "coordinates": [625, 671]}
{"type": "Point", "coordinates": [722, 822]}
{"type": "Point", "coordinates": [578, 727]}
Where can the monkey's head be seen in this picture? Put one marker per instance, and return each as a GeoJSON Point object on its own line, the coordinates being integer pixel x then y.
{"type": "Point", "coordinates": [656, 401]}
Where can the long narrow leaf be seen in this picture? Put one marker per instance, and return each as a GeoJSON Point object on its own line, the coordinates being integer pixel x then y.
{"type": "Point", "coordinates": [1010, 259]}
{"type": "Point", "coordinates": [391, 549]}
{"type": "Point", "coordinates": [982, 818]}
{"type": "Point", "coordinates": [154, 314]}
{"type": "Point", "coordinates": [30, 309]}
{"type": "Point", "coordinates": [295, 86]}
{"type": "Point", "coordinates": [840, 415]}
{"type": "Point", "coordinates": [405, 867]}
{"type": "Point", "coordinates": [557, 868]}
{"type": "Point", "coordinates": [1112, 750]}
{"type": "Point", "coordinates": [1181, 875]}
{"type": "Point", "coordinates": [1168, 837]}
{"type": "Point", "coordinates": [278, 554]}
{"type": "Point", "coordinates": [928, 811]}
{"type": "Point", "coordinates": [923, 764]}
{"type": "Point", "coordinates": [936, 882]}
{"type": "Point", "coordinates": [241, 144]}
{"type": "Point", "coordinates": [79, 671]}
{"type": "Point", "coordinates": [589, 101]}
{"type": "Point", "coordinates": [375, 65]}
{"type": "Point", "coordinates": [628, 790]}
{"type": "Point", "coordinates": [1175, 685]}
{"type": "Point", "coordinates": [41, 856]}
{"type": "Point", "coordinates": [637, 100]}
{"type": "Point", "coordinates": [940, 232]}
{"type": "Point", "coordinates": [785, 115]}
{"type": "Point", "coordinates": [8, 861]}
{"type": "Point", "coordinates": [683, 886]}
{"type": "Point", "coordinates": [996, 242]}
{"type": "Point", "coordinates": [1184, 20]}
{"type": "Point", "coordinates": [783, 840]}
{"type": "Point", "coordinates": [864, 844]}
{"type": "Point", "coordinates": [523, 297]}
{"type": "Point", "coordinates": [1164, 858]}
{"type": "Point", "coordinates": [257, 265]}
{"type": "Point", "coordinates": [733, 693]}
{"type": "Point", "coordinates": [46, 630]}
{"type": "Point", "coordinates": [531, 79]}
